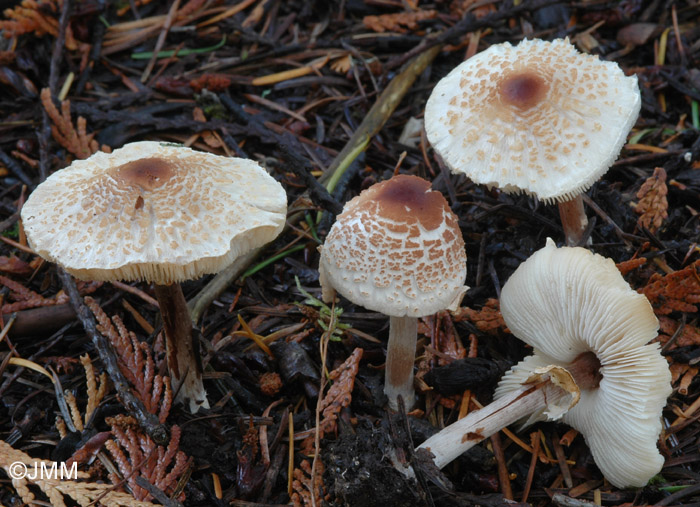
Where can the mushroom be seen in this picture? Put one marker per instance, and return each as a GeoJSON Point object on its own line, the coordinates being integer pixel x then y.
{"type": "Point", "coordinates": [160, 213]}
{"type": "Point", "coordinates": [396, 249]}
{"type": "Point", "coordinates": [585, 324]}
{"type": "Point", "coordinates": [539, 118]}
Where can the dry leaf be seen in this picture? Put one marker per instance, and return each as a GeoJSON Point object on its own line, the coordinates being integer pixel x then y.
{"type": "Point", "coordinates": [488, 319]}
{"type": "Point", "coordinates": [207, 135]}
{"type": "Point", "coordinates": [213, 82]}
{"type": "Point", "coordinates": [303, 487]}
{"type": "Point", "coordinates": [161, 466]}
{"type": "Point", "coordinates": [630, 265]}
{"type": "Point", "coordinates": [136, 363]}
{"type": "Point", "coordinates": [342, 65]}
{"type": "Point", "coordinates": [38, 17]}
{"type": "Point", "coordinates": [399, 22]}
{"type": "Point", "coordinates": [56, 488]}
{"type": "Point", "coordinates": [677, 291]}
{"type": "Point", "coordinates": [340, 393]}
{"type": "Point", "coordinates": [15, 265]}
{"type": "Point", "coordinates": [689, 335]}
{"type": "Point", "coordinates": [637, 34]}
{"type": "Point", "coordinates": [77, 141]}
{"type": "Point", "coordinates": [653, 205]}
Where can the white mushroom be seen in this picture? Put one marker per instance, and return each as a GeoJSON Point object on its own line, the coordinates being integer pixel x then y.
{"type": "Point", "coordinates": [160, 213]}
{"type": "Point", "coordinates": [539, 118]}
{"type": "Point", "coordinates": [578, 313]}
{"type": "Point", "coordinates": [397, 249]}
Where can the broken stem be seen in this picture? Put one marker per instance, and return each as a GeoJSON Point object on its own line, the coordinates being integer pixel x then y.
{"type": "Point", "coordinates": [400, 356]}
{"type": "Point", "coordinates": [455, 439]}
{"type": "Point", "coordinates": [573, 220]}
{"type": "Point", "coordinates": [183, 356]}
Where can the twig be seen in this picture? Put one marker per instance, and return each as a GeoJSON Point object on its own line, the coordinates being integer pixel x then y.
{"type": "Point", "coordinates": [161, 40]}
{"type": "Point", "coordinates": [9, 221]}
{"type": "Point", "coordinates": [218, 284]}
{"type": "Point", "coordinates": [377, 116]}
{"type": "Point", "coordinates": [148, 421]}
{"type": "Point", "coordinates": [534, 438]}
{"type": "Point", "coordinates": [13, 166]}
{"type": "Point", "coordinates": [503, 477]}
{"type": "Point", "coordinates": [58, 46]}
{"type": "Point", "coordinates": [467, 24]}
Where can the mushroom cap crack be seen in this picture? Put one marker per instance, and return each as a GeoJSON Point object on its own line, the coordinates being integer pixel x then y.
{"type": "Point", "coordinates": [539, 118]}
{"type": "Point", "coordinates": [396, 249]}
{"type": "Point", "coordinates": [154, 212]}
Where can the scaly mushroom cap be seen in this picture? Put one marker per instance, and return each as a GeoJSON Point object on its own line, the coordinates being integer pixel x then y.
{"type": "Point", "coordinates": [153, 211]}
{"type": "Point", "coordinates": [396, 249]}
{"type": "Point", "coordinates": [539, 117]}
{"type": "Point", "coordinates": [568, 301]}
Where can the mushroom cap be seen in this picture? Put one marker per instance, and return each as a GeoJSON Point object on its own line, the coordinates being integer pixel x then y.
{"type": "Point", "coordinates": [539, 118]}
{"type": "Point", "coordinates": [567, 301]}
{"type": "Point", "coordinates": [396, 249]}
{"type": "Point", "coordinates": [153, 211]}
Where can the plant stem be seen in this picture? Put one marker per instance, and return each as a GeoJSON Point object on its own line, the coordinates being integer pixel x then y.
{"type": "Point", "coordinates": [183, 356]}
{"type": "Point", "coordinates": [573, 220]}
{"type": "Point", "coordinates": [400, 356]}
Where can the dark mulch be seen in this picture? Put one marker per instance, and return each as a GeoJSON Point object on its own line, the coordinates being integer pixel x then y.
{"type": "Point", "coordinates": [297, 126]}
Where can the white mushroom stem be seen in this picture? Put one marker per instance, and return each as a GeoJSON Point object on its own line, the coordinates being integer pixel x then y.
{"type": "Point", "coordinates": [457, 438]}
{"type": "Point", "coordinates": [400, 356]}
{"type": "Point", "coordinates": [182, 356]}
{"type": "Point", "coordinates": [573, 219]}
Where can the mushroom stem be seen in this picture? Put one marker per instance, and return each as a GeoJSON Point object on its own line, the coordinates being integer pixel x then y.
{"type": "Point", "coordinates": [573, 219]}
{"type": "Point", "coordinates": [400, 356]}
{"type": "Point", "coordinates": [182, 354]}
{"type": "Point", "coordinates": [457, 438]}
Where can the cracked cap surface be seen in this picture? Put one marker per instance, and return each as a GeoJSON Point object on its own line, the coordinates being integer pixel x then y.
{"type": "Point", "coordinates": [153, 211]}
{"type": "Point", "coordinates": [396, 249]}
{"type": "Point", "coordinates": [539, 118]}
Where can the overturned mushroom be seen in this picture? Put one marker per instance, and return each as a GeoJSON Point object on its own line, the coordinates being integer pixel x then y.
{"type": "Point", "coordinates": [397, 249]}
{"type": "Point", "coordinates": [539, 118]}
{"type": "Point", "coordinates": [588, 326]}
{"type": "Point", "coordinates": [160, 213]}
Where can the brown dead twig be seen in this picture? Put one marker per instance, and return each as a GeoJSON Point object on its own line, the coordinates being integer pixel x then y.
{"type": "Point", "coordinates": [677, 291]}
{"type": "Point", "coordinates": [136, 363]}
{"type": "Point", "coordinates": [25, 298]}
{"type": "Point", "coordinates": [77, 141]}
{"type": "Point", "coordinates": [160, 466]}
{"type": "Point", "coordinates": [653, 205]}
{"type": "Point", "coordinates": [38, 17]}
{"type": "Point", "coordinates": [56, 488]}
{"type": "Point", "coordinates": [400, 22]}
